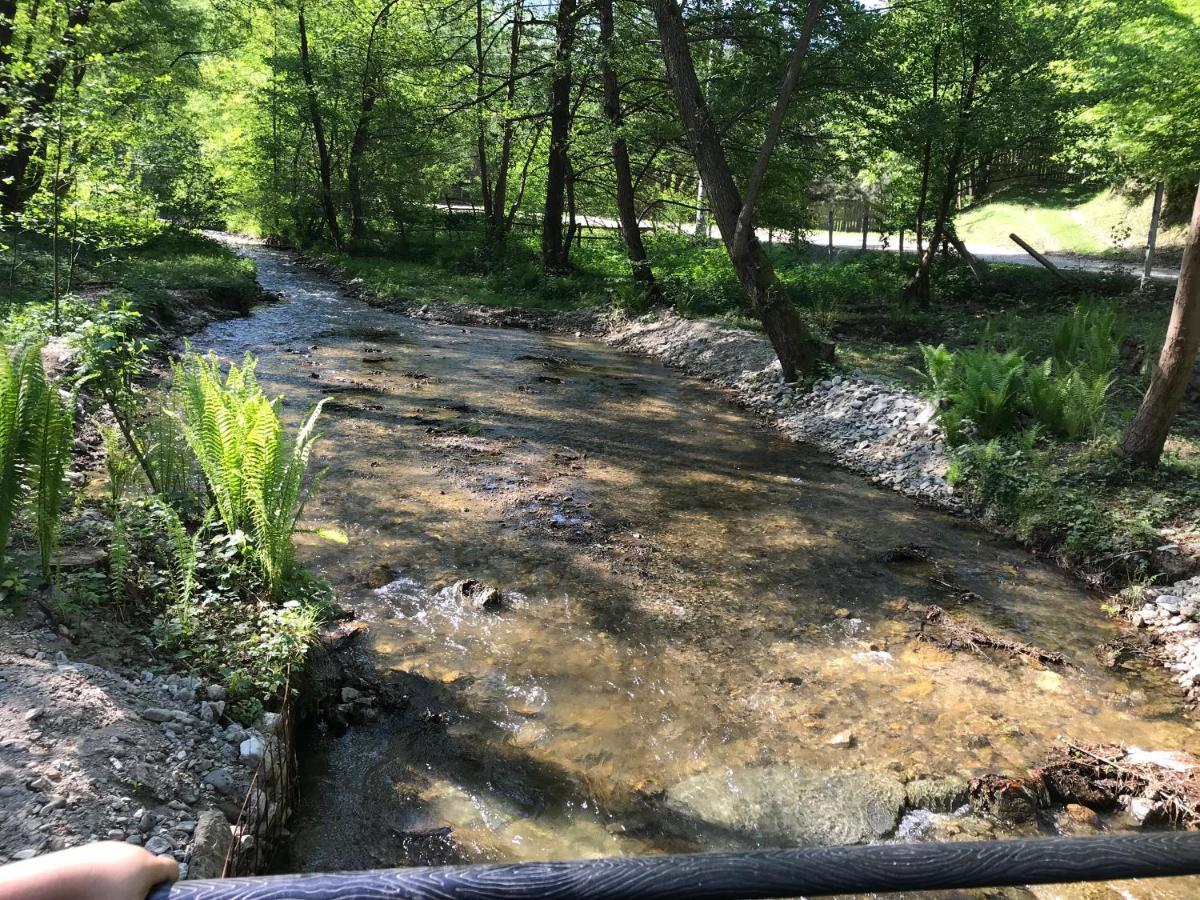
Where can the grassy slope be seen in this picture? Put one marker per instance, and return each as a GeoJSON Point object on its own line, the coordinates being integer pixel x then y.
{"type": "Point", "coordinates": [145, 275]}
{"type": "Point", "coordinates": [1067, 219]}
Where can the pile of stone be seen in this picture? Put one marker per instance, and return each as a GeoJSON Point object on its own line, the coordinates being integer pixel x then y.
{"type": "Point", "coordinates": [87, 754]}
{"type": "Point", "coordinates": [1173, 614]}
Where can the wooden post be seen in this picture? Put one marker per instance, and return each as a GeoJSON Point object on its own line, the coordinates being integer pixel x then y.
{"type": "Point", "coordinates": [1045, 262]}
{"type": "Point", "coordinates": [831, 229]}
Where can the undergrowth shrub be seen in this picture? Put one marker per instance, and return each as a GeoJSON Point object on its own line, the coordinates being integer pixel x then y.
{"type": "Point", "coordinates": [36, 432]}
{"type": "Point", "coordinates": [255, 475]}
{"type": "Point", "coordinates": [985, 392]}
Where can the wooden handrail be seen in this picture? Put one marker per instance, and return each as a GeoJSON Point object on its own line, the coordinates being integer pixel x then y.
{"type": "Point", "coordinates": [811, 872]}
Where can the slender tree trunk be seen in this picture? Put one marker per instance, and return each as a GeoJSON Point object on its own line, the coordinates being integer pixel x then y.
{"type": "Point", "coordinates": [362, 128]}
{"type": "Point", "coordinates": [919, 285]}
{"type": "Point", "coordinates": [323, 159]}
{"type": "Point", "coordinates": [498, 224]}
{"type": "Point", "coordinates": [354, 168]}
{"type": "Point", "coordinates": [1152, 237]}
{"type": "Point", "coordinates": [927, 155]}
{"type": "Point", "coordinates": [798, 349]}
{"type": "Point", "coordinates": [701, 229]}
{"type": "Point", "coordinates": [554, 253]}
{"type": "Point", "coordinates": [978, 267]}
{"type": "Point", "coordinates": [866, 222]}
{"type": "Point", "coordinates": [1146, 435]}
{"type": "Point", "coordinates": [24, 145]}
{"type": "Point", "coordinates": [830, 224]}
{"type": "Point", "coordinates": [626, 202]}
{"type": "Point", "coordinates": [481, 137]}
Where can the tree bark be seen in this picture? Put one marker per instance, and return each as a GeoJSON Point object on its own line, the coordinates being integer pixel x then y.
{"type": "Point", "coordinates": [354, 167]}
{"type": "Point", "coordinates": [918, 286]}
{"type": "Point", "coordinates": [554, 252]}
{"type": "Point", "coordinates": [323, 159]}
{"type": "Point", "coordinates": [799, 351]}
{"type": "Point", "coordinates": [631, 231]}
{"type": "Point", "coordinates": [1146, 435]}
{"type": "Point", "coordinates": [1152, 237]}
{"type": "Point", "coordinates": [14, 163]}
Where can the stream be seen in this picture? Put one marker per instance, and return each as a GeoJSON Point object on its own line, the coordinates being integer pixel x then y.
{"type": "Point", "coordinates": [691, 598]}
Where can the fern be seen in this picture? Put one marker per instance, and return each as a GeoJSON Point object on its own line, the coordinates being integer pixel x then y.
{"type": "Point", "coordinates": [36, 432]}
{"type": "Point", "coordinates": [1089, 339]}
{"type": "Point", "coordinates": [119, 556]}
{"type": "Point", "coordinates": [257, 479]}
{"type": "Point", "coordinates": [50, 456]}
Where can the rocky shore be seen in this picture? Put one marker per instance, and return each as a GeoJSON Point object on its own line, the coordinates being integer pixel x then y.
{"type": "Point", "coordinates": [1172, 615]}
{"type": "Point", "coordinates": [89, 753]}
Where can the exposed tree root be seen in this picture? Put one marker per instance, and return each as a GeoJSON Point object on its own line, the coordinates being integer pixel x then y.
{"type": "Point", "coordinates": [954, 635]}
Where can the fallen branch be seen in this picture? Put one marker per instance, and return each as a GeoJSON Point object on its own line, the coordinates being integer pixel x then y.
{"type": "Point", "coordinates": [961, 636]}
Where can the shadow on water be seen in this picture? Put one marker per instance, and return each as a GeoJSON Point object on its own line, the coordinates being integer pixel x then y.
{"type": "Point", "coordinates": [691, 593]}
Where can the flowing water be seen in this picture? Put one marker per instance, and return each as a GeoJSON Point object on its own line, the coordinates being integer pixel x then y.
{"type": "Point", "coordinates": [689, 593]}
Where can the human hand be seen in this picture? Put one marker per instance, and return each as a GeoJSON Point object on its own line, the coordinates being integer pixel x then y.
{"type": "Point", "coordinates": [108, 870]}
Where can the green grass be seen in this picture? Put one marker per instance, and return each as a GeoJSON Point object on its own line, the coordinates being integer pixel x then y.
{"type": "Point", "coordinates": [145, 276]}
{"type": "Point", "coordinates": [1066, 219]}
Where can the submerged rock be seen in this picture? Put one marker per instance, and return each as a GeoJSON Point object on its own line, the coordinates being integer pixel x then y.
{"type": "Point", "coordinates": [782, 806]}
{"type": "Point", "coordinates": [937, 794]}
{"type": "Point", "coordinates": [1012, 800]}
{"type": "Point", "coordinates": [477, 595]}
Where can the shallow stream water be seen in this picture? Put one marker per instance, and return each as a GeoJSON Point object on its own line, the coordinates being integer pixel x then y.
{"type": "Point", "coordinates": [689, 593]}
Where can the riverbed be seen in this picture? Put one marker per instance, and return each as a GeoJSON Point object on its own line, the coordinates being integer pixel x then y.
{"type": "Point", "coordinates": [690, 596]}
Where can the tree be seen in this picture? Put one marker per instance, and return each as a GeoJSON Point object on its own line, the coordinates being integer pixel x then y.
{"type": "Point", "coordinates": [625, 198]}
{"type": "Point", "coordinates": [558, 166]}
{"type": "Point", "coordinates": [799, 351]}
{"type": "Point", "coordinates": [1146, 434]}
{"type": "Point", "coordinates": [324, 159]}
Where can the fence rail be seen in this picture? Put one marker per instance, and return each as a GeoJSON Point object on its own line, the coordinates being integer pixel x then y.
{"type": "Point", "coordinates": [811, 872]}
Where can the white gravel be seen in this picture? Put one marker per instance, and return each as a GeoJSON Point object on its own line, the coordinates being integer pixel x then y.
{"type": "Point", "coordinates": [87, 754]}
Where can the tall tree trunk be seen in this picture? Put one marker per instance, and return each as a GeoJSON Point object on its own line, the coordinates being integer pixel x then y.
{"type": "Point", "coordinates": [626, 203]}
{"type": "Point", "coordinates": [354, 167]}
{"type": "Point", "coordinates": [362, 128]}
{"type": "Point", "coordinates": [798, 349]}
{"type": "Point", "coordinates": [498, 225]}
{"type": "Point", "coordinates": [323, 159]}
{"type": "Point", "coordinates": [701, 210]}
{"type": "Point", "coordinates": [927, 156]}
{"type": "Point", "coordinates": [1146, 435]}
{"type": "Point", "coordinates": [918, 286]}
{"type": "Point", "coordinates": [554, 252]}
{"type": "Point", "coordinates": [1152, 237]}
{"type": "Point", "coordinates": [25, 143]}
{"type": "Point", "coordinates": [481, 137]}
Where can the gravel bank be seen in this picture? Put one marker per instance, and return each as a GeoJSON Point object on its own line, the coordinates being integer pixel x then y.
{"type": "Point", "coordinates": [886, 433]}
{"type": "Point", "coordinates": [1173, 616]}
{"type": "Point", "coordinates": [88, 753]}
